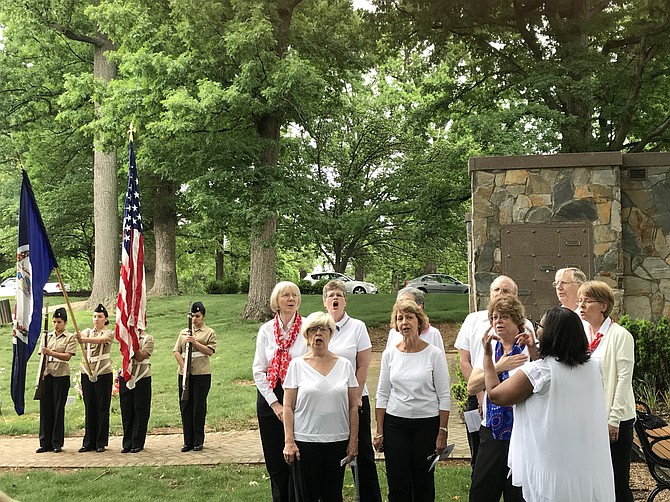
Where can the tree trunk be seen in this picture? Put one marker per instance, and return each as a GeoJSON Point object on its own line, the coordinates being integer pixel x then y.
{"type": "Point", "coordinates": [219, 259]}
{"type": "Point", "coordinates": [262, 272]}
{"type": "Point", "coordinates": [165, 225]}
{"type": "Point", "coordinates": [105, 201]}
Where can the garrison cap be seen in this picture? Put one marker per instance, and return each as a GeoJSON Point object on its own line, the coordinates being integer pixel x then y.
{"type": "Point", "coordinates": [198, 307]}
{"type": "Point", "coordinates": [60, 313]}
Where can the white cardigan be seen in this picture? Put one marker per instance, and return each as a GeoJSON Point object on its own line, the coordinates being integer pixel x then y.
{"type": "Point", "coordinates": [617, 368]}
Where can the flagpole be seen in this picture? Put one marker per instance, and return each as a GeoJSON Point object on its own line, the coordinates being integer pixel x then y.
{"type": "Point", "coordinates": [74, 321]}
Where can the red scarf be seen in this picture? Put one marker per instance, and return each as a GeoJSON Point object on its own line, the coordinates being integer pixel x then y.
{"type": "Point", "coordinates": [279, 362]}
{"type": "Point", "coordinates": [595, 342]}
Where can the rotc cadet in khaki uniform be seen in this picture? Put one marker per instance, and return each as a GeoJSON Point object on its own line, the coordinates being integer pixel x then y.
{"type": "Point", "coordinates": [59, 349]}
{"type": "Point", "coordinates": [135, 397]}
{"type": "Point", "coordinates": [194, 410]}
{"type": "Point", "coordinates": [97, 386]}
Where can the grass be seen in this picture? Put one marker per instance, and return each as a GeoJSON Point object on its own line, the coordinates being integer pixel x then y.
{"type": "Point", "coordinates": [231, 402]}
{"type": "Point", "coordinates": [232, 483]}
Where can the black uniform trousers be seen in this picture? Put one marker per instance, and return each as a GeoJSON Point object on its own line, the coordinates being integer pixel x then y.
{"type": "Point", "coordinates": [368, 482]}
{"type": "Point", "coordinates": [52, 411]}
{"type": "Point", "coordinates": [322, 475]}
{"type": "Point", "coordinates": [620, 452]}
{"type": "Point", "coordinates": [272, 440]}
{"type": "Point", "coordinates": [97, 399]}
{"type": "Point", "coordinates": [194, 411]}
{"type": "Point", "coordinates": [408, 442]}
{"type": "Point", "coordinates": [135, 410]}
{"type": "Point", "coordinates": [473, 437]}
{"type": "Point", "coordinates": [490, 480]}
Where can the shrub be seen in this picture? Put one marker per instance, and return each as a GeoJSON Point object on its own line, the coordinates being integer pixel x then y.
{"type": "Point", "coordinates": [244, 285]}
{"type": "Point", "coordinates": [652, 353]}
{"type": "Point", "coordinates": [227, 286]}
{"type": "Point", "coordinates": [459, 389]}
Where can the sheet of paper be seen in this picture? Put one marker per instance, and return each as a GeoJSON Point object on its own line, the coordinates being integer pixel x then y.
{"type": "Point", "coordinates": [473, 420]}
{"type": "Point", "coordinates": [442, 456]}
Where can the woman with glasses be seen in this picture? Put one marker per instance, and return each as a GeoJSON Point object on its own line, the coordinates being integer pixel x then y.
{"type": "Point", "coordinates": [321, 413]}
{"type": "Point", "coordinates": [413, 402]}
{"type": "Point", "coordinates": [277, 343]}
{"type": "Point", "coordinates": [511, 347]}
{"type": "Point", "coordinates": [613, 346]}
{"type": "Point", "coordinates": [559, 448]}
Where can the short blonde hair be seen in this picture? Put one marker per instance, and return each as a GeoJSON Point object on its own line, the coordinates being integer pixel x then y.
{"type": "Point", "coordinates": [280, 289]}
{"type": "Point", "coordinates": [411, 307]}
{"type": "Point", "coordinates": [317, 319]}
{"type": "Point", "coordinates": [599, 291]}
{"type": "Point", "coordinates": [334, 285]}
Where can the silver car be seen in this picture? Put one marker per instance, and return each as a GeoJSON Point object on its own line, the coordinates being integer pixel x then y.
{"type": "Point", "coordinates": [351, 285]}
{"type": "Point", "coordinates": [438, 283]}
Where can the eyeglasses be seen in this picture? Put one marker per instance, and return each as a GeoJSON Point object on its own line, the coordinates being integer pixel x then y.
{"type": "Point", "coordinates": [505, 291]}
{"type": "Point", "coordinates": [290, 295]}
{"type": "Point", "coordinates": [538, 325]}
{"type": "Point", "coordinates": [563, 283]}
{"type": "Point", "coordinates": [335, 294]}
{"type": "Point", "coordinates": [315, 329]}
{"type": "Point", "coordinates": [584, 300]}
{"type": "Point", "coordinates": [503, 317]}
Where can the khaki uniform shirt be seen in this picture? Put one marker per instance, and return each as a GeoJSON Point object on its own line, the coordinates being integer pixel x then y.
{"type": "Point", "coordinates": [65, 343]}
{"type": "Point", "coordinates": [199, 361]}
{"type": "Point", "coordinates": [98, 353]}
{"type": "Point", "coordinates": [141, 369]}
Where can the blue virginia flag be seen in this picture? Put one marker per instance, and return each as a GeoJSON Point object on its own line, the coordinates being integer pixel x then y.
{"type": "Point", "coordinates": [34, 261]}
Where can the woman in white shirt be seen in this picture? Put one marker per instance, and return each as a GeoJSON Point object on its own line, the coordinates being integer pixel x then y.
{"type": "Point", "coordinates": [429, 334]}
{"type": "Point", "coordinates": [413, 401]}
{"type": "Point", "coordinates": [277, 343]}
{"type": "Point", "coordinates": [559, 448]}
{"type": "Point", "coordinates": [613, 346]}
{"type": "Point", "coordinates": [320, 413]}
{"type": "Point", "coordinates": [352, 341]}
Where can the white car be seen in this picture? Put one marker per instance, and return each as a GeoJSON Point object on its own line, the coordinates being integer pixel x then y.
{"type": "Point", "coordinates": [351, 285]}
{"type": "Point", "coordinates": [8, 287]}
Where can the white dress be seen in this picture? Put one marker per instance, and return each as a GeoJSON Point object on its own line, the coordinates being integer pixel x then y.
{"type": "Point", "coordinates": [559, 450]}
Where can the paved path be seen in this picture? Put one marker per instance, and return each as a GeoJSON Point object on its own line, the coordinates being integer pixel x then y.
{"type": "Point", "coordinates": [235, 447]}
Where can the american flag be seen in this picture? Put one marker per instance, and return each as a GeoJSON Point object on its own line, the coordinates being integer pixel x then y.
{"type": "Point", "coordinates": [131, 304]}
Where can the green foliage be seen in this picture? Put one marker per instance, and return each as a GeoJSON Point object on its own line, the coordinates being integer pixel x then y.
{"type": "Point", "coordinates": [308, 288]}
{"type": "Point", "coordinates": [225, 287]}
{"type": "Point", "coordinates": [459, 389]}
{"type": "Point", "coordinates": [652, 355]}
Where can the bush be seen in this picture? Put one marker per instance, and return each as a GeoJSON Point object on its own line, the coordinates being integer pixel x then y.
{"type": "Point", "coordinates": [307, 288]}
{"type": "Point", "coordinates": [227, 286]}
{"type": "Point", "coordinates": [244, 285]}
{"type": "Point", "coordinates": [652, 354]}
{"type": "Point", "coordinates": [459, 389]}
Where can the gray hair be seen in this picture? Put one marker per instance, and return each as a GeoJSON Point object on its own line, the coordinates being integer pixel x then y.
{"type": "Point", "coordinates": [416, 294]}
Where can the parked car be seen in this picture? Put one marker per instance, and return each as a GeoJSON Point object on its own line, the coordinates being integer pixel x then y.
{"type": "Point", "coordinates": [351, 285]}
{"type": "Point", "coordinates": [438, 283]}
{"type": "Point", "coordinates": [8, 287]}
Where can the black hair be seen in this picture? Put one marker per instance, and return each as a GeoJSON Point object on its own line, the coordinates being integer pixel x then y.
{"type": "Point", "coordinates": [563, 337]}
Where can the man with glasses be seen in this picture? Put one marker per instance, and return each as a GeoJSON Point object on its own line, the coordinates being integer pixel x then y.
{"type": "Point", "coordinates": [469, 345]}
{"type": "Point", "coordinates": [566, 283]}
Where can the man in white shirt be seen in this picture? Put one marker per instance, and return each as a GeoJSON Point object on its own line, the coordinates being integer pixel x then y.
{"type": "Point", "coordinates": [566, 283]}
{"type": "Point", "coordinates": [469, 345]}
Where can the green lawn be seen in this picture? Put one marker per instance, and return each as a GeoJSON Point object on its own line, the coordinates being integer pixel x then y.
{"type": "Point", "coordinates": [234, 483]}
{"type": "Point", "coordinates": [231, 403]}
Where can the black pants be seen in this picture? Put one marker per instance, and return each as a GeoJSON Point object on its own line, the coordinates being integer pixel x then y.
{"type": "Point", "coordinates": [368, 482]}
{"type": "Point", "coordinates": [407, 444]}
{"type": "Point", "coordinates": [473, 437]}
{"type": "Point", "coordinates": [490, 479]}
{"type": "Point", "coordinates": [97, 398]}
{"type": "Point", "coordinates": [52, 411]}
{"type": "Point", "coordinates": [272, 440]}
{"type": "Point", "coordinates": [620, 451]}
{"type": "Point", "coordinates": [194, 411]}
{"type": "Point", "coordinates": [135, 410]}
{"type": "Point", "coordinates": [322, 475]}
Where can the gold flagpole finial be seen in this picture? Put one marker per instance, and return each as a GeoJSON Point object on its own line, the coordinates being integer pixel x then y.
{"type": "Point", "coordinates": [131, 130]}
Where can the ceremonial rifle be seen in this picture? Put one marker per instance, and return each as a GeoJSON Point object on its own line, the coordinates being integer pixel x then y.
{"type": "Point", "coordinates": [43, 359]}
{"type": "Point", "coordinates": [187, 361]}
